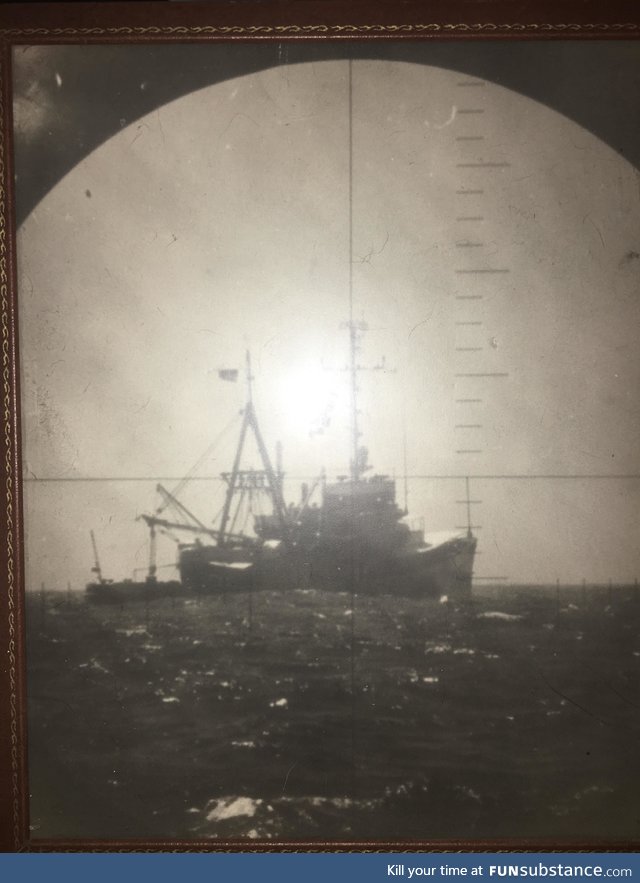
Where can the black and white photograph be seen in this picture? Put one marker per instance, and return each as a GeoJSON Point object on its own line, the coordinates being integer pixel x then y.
{"type": "Point", "coordinates": [329, 417]}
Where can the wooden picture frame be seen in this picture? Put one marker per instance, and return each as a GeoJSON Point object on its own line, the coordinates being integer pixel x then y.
{"type": "Point", "coordinates": [275, 32]}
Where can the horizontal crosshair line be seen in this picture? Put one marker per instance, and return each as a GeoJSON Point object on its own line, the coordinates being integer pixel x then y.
{"type": "Point", "coordinates": [505, 476]}
{"type": "Point", "coordinates": [469, 296]}
{"type": "Point", "coordinates": [468, 323]}
{"type": "Point", "coordinates": [471, 110]}
{"type": "Point", "coordinates": [469, 451]}
{"type": "Point", "coordinates": [469, 192]}
{"type": "Point", "coordinates": [469, 349]}
{"type": "Point", "coordinates": [483, 165]}
{"type": "Point", "coordinates": [502, 579]}
{"type": "Point", "coordinates": [484, 374]}
{"type": "Point", "coordinates": [489, 476]}
{"type": "Point", "coordinates": [470, 218]}
{"type": "Point", "coordinates": [487, 270]}
{"type": "Point", "coordinates": [468, 400]}
{"type": "Point", "coordinates": [468, 426]}
{"type": "Point", "coordinates": [470, 138]}
{"type": "Point", "coordinates": [469, 244]}
{"type": "Point", "coordinates": [464, 502]}
{"type": "Point", "coordinates": [465, 526]}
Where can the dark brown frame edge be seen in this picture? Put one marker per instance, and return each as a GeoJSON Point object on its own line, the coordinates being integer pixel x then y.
{"type": "Point", "coordinates": [222, 20]}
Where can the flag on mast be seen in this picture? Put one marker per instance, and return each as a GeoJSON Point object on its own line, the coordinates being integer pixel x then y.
{"type": "Point", "coordinates": [230, 374]}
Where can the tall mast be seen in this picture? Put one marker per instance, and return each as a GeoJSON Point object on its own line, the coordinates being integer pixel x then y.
{"type": "Point", "coordinates": [249, 380]}
{"type": "Point", "coordinates": [231, 486]}
{"type": "Point", "coordinates": [96, 561]}
{"type": "Point", "coordinates": [404, 464]}
{"type": "Point", "coordinates": [274, 481]}
{"type": "Point", "coordinates": [153, 569]}
{"type": "Point", "coordinates": [247, 420]}
{"type": "Point", "coordinates": [355, 432]}
{"type": "Point", "coordinates": [468, 502]}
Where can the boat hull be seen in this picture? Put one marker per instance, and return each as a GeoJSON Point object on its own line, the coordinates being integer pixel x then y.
{"type": "Point", "coordinates": [445, 568]}
{"type": "Point", "coordinates": [212, 569]}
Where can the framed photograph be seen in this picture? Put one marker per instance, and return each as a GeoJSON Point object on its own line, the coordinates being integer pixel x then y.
{"type": "Point", "coordinates": [321, 480]}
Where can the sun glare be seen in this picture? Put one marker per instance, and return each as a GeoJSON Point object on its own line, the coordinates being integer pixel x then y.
{"type": "Point", "coordinates": [312, 399]}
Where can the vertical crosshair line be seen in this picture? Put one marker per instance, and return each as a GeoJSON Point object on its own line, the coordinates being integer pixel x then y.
{"type": "Point", "coordinates": [350, 110]}
{"type": "Point", "coordinates": [353, 341]}
{"type": "Point", "coordinates": [354, 563]}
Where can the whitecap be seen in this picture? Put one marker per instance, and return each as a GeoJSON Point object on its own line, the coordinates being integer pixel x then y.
{"type": "Point", "coordinates": [231, 807]}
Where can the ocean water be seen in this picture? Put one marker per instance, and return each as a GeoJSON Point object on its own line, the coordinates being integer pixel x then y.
{"type": "Point", "coordinates": [312, 715]}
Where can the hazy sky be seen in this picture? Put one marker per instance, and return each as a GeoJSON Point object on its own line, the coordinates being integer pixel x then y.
{"type": "Point", "coordinates": [221, 222]}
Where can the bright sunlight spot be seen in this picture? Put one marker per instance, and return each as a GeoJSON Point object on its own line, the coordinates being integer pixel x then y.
{"type": "Point", "coordinates": [313, 400]}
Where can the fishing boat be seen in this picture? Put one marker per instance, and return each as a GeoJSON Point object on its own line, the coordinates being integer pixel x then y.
{"type": "Point", "coordinates": [344, 535]}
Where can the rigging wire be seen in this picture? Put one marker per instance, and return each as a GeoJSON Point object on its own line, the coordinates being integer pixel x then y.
{"type": "Point", "coordinates": [203, 457]}
{"type": "Point", "coordinates": [217, 515]}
